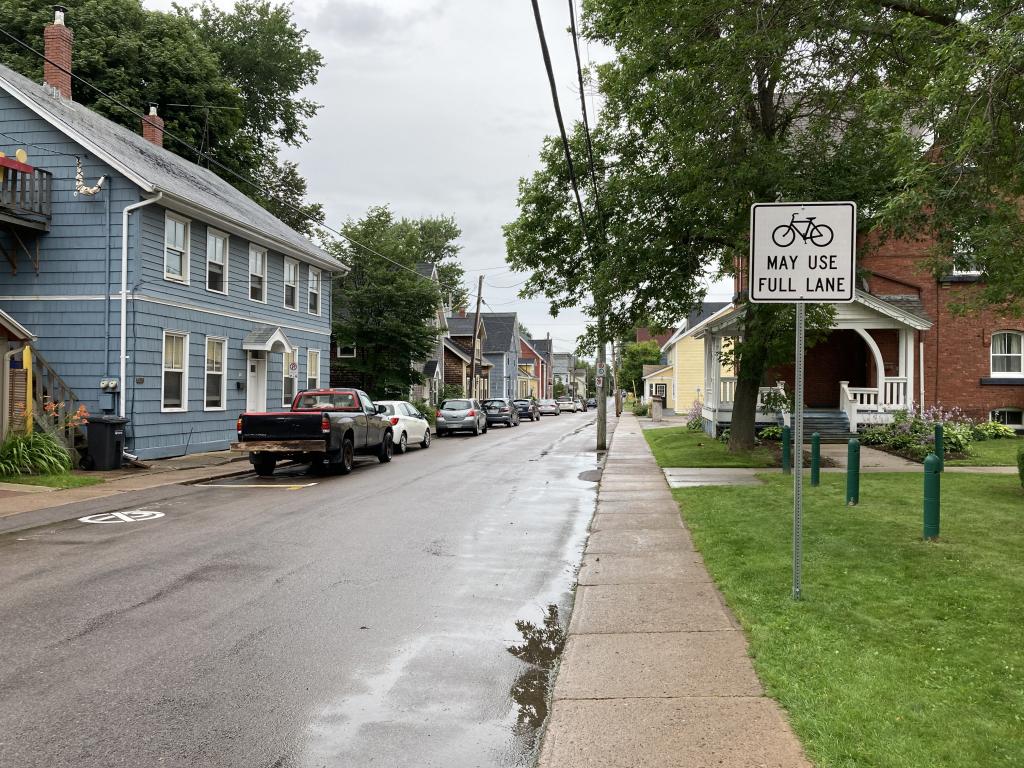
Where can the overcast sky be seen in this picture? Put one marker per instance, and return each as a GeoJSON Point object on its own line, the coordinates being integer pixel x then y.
{"type": "Point", "coordinates": [438, 107]}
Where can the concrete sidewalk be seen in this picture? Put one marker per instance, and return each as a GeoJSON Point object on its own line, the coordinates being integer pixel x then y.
{"type": "Point", "coordinates": [16, 500]}
{"type": "Point", "coordinates": [655, 670]}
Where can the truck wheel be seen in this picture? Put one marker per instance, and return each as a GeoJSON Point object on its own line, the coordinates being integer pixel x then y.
{"type": "Point", "coordinates": [426, 439]}
{"type": "Point", "coordinates": [348, 456]}
{"type": "Point", "coordinates": [387, 448]}
{"type": "Point", "coordinates": [403, 444]}
{"type": "Point", "coordinates": [264, 465]}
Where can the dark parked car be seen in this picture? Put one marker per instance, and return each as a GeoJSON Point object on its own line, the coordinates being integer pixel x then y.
{"type": "Point", "coordinates": [592, 402]}
{"type": "Point", "coordinates": [460, 415]}
{"type": "Point", "coordinates": [500, 410]}
{"type": "Point", "coordinates": [326, 427]}
{"type": "Point", "coordinates": [528, 409]}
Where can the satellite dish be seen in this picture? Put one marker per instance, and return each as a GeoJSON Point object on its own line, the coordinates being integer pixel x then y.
{"type": "Point", "coordinates": [22, 156]}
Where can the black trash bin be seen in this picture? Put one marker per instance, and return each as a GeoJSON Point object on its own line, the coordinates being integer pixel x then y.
{"type": "Point", "coordinates": [106, 441]}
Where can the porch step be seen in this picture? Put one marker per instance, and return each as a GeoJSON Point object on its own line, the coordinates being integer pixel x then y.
{"type": "Point", "coordinates": [831, 426]}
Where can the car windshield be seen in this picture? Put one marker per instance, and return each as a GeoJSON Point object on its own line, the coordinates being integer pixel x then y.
{"type": "Point", "coordinates": [455, 405]}
{"type": "Point", "coordinates": [325, 401]}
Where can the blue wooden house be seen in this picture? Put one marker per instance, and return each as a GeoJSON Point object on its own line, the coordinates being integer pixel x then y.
{"type": "Point", "coordinates": [501, 349]}
{"type": "Point", "coordinates": [165, 294]}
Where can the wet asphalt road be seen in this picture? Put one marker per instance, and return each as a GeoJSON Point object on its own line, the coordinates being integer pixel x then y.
{"type": "Point", "coordinates": [363, 620]}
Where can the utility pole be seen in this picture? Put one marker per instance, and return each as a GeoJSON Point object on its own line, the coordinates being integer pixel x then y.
{"type": "Point", "coordinates": [602, 389]}
{"type": "Point", "coordinates": [476, 328]}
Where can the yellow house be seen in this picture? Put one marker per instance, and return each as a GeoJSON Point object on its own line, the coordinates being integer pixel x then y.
{"type": "Point", "coordinates": [680, 380]}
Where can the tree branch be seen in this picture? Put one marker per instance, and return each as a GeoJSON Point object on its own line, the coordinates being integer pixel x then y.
{"type": "Point", "coordinates": [917, 9]}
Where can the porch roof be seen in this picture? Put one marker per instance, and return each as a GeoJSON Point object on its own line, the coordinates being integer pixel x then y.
{"type": "Point", "coordinates": [266, 338]}
{"type": "Point", "coordinates": [15, 330]}
{"type": "Point", "coordinates": [650, 371]}
{"type": "Point", "coordinates": [902, 310]}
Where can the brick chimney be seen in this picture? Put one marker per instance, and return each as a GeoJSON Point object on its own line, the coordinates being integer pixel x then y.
{"type": "Point", "coordinates": [153, 127]}
{"type": "Point", "coordinates": [58, 41]}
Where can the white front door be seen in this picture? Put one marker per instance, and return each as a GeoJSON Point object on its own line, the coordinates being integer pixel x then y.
{"type": "Point", "coordinates": [256, 382]}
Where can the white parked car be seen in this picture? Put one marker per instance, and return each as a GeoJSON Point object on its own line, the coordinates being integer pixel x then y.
{"type": "Point", "coordinates": [408, 424]}
{"type": "Point", "coordinates": [566, 403]}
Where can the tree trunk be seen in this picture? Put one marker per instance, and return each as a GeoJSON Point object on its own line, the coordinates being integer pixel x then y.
{"type": "Point", "coordinates": [744, 415]}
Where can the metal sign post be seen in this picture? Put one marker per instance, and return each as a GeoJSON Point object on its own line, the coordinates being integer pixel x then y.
{"type": "Point", "coordinates": [802, 253]}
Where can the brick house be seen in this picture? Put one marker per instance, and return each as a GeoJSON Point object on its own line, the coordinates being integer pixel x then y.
{"type": "Point", "coordinates": [897, 345]}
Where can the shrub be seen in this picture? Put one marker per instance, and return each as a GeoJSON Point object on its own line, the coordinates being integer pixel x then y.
{"type": "Point", "coordinates": [452, 391]}
{"type": "Point", "coordinates": [956, 438]}
{"type": "Point", "coordinates": [640, 409]}
{"type": "Point", "coordinates": [695, 417]}
{"type": "Point", "coordinates": [36, 453]}
{"type": "Point", "coordinates": [913, 436]}
{"type": "Point", "coordinates": [992, 430]}
{"type": "Point", "coordinates": [1020, 465]}
{"type": "Point", "coordinates": [773, 432]}
{"type": "Point", "coordinates": [427, 410]}
{"type": "Point", "coordinates": [724, 437]}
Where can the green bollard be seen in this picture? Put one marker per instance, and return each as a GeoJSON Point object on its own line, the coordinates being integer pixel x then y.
{"type": "Point", "coordinates": [787, 439]}
{"type": "Point", "coordinates": [815, 459]}
{"type": "Point", "coordinates": [932, 468]}
{"type": "Point", "coordinates": [940, 447]}
{"type": "Point", "coordinates": [853, 472]}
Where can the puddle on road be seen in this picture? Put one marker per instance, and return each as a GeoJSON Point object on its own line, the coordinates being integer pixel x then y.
{"type": "Point", "coordinates": [541, 649]}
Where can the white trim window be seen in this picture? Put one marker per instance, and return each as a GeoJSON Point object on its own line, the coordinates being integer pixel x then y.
{"type": "Point", "coordinates": [174, 381]}
{"type": "Point", "coordinates": [215, 385]}
{"type": "Point", "coordinates": [344, 351]}
{"type": "Point", "coordinates": [176, 250]}
{"type": "Point", "coordinates": [1007, 355]}
{"type": "Point", "coordinates": [291, 283]}
{"type": "Point", "coordinates": [217, 261]}
{"type": "Point", "coordinates": [1011, 417]}
{"type": "Point", "coordinates": [314, 291]}
{"type": "Point", "coordinates": [289, 376]}
{"type": "Point", "coordinates": [258, 273]}
{"type": "Point", "coordinates": [312, 369]}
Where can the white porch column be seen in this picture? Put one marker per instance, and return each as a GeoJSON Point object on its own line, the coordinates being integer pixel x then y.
{"type": "Point", "coordinates": [907, 355]}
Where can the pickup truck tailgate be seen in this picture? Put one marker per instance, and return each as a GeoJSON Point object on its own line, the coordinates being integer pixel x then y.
{"type": "Point", "coordinates": [281, 426]}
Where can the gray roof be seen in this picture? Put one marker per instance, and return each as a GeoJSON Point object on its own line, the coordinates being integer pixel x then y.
{"type": "Point", "coordinates": [910, 304]}
{"type": "Point", "coordinates": [501, 329]}
{"type": "Point", "coordinates": [425, 268]}
{"type": "Point", "coordinates": [541, 346]}
{"type": "Point", "coordinates": [196, 190]}
{"type": "Point", "coordinates": [707, 309]}
{"type": "Point", "coordinates": [461, 326]}
{"type": "Point", "coordinates": [430, 368]}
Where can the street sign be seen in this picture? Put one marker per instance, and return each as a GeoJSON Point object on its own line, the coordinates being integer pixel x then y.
{"type": "Point", "coordinates": [129, 516]}
{"type": "Point", "coordinates": [803, 252]}
{"type": "Point", "coordinates": [600, 381]}
{"type": "Point", "coordinates": [601, 369]}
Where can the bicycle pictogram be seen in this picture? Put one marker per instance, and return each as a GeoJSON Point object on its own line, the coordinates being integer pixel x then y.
{"type": "Point", "coordinates": [785, 235]}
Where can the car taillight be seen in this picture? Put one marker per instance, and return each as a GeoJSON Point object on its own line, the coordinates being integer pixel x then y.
{"type": "Point", "coordinates": [394, 421]}
{"type": "Point", "coordinates": [238, 425]}
{"type": "Point", "coordinates": [437, 414]}
{"type": "Point", "coordinates": [325, 424]}
{"type": "Point", "coordinates": [504, 410]}
{"type": "Point", "coordinates": [471, 412]}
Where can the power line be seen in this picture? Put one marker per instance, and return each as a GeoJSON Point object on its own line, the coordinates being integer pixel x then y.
{"type": "Point", "coordinates": [255, 185]}
{"type": "Point", "coordinates": [586, 121]}
{"type": "Point", "coordinates": [558, 114]}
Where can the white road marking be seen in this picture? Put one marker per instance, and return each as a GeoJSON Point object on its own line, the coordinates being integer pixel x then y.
{"type": "Point", "coordinates": [128, 516]}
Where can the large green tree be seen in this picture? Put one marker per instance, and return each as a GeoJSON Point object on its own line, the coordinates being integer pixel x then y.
{"type": "Point", "coordinates": [382, 307]}
{"type": "Point", "coordinates": [635, 355]}
{"type": "Point", "coordinates": [710, 105]}
{"type": "Point", "coordinates": [226, 82]}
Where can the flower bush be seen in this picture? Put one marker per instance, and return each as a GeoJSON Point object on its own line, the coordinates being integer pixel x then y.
{"type": "Point", "coordinates": [913, 435]}
{"type": "Point", "coordinates": [640, 409]}
{"type": "Point", "coordinates": [992, 430]}
{"type": "Point", "coordinates": [35, 453]}
{"type": "Point", "coordinates": [695, 417]}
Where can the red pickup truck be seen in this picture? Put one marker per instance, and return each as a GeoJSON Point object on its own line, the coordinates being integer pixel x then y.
{"type": "Point", "coordinates": [326, 427]}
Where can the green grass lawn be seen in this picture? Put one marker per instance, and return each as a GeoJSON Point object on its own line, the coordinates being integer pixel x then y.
{"type": "Point", "coordinates": [679, 447]}
{"type": "Point", "coordinates": [53, 481]}
{"type": "Point", "coordinates": [991, 453]}
{"type": "Point", "coordinates": [902, 654]}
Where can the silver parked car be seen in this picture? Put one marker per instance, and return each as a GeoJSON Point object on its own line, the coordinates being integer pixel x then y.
{"type": "Point", "coordinates": [460, 414]}
{"type": "Point", "coordinates": [548, 408]}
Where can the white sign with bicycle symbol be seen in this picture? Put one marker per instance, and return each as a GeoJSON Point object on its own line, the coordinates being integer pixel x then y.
{"type": "Point", "coordinates": [803, 252]}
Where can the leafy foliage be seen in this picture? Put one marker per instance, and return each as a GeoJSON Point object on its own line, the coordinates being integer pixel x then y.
{"type": "Point", "coordinates": [771, 432]}
{"type": "Point", "coordinates": [635, 355]}
{"type": "Point", "coordinates": [1020, 465]}
{"type": "Point", "coordinates": [913, 436]}
{"type": "Point", "coordinates": [385, 311]}
{"type": "Point", "coordinates": [695, 417]}
{"type": "Point", "coordinates": [992, 430]}
{"type": "Point", "coordinates": [35, 453]}
{"type": "Point", "coordinates": [427, 410]}
{"type": "Point", "coordinates": [641, 409]}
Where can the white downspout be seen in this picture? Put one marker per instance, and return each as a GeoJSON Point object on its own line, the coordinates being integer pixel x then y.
{"type": "Point", "coordinates": [123, 384]}
{"type": "Point", "coordinates": [921, 407]}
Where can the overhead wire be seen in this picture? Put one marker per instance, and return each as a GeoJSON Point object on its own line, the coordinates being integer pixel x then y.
{"type": "Point", "coordinates": [200, 153]}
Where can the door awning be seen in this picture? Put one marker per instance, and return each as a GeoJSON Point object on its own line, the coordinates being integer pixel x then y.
{"type": "Point", "coordinates": [267, 338]}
